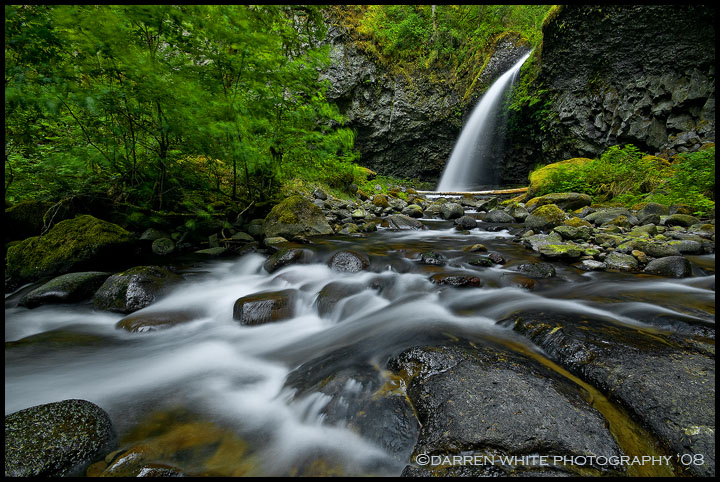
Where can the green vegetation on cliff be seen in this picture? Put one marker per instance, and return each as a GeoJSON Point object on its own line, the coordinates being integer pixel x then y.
{"type": "Point", "coordinates": [453, 38]}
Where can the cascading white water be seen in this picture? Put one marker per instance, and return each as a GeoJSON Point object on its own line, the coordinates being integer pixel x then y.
{"type": "Point", "coordinates": [477, 137]}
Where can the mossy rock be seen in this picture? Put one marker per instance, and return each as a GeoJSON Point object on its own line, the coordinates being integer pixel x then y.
{"type": "Point", "coordinates": [540, 177]}
{"type": "Point", "coordinates": [545, 217]}
{"type": "Point", "coordinates": [78, 244]}
{"type": "Point", "coordinates": [66, 288]}
{"type": "Point", "coordinates": [56, 439]}
{"type": "Point", "coordinates": [295, 216]}
{"type": "Point", "coordinates": [567, 201]}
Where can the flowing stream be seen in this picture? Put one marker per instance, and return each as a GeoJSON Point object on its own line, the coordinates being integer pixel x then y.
{"type": "Point", "coordinates": [467, 166]}
{"type": "Point", "coordinates": [214, 370]}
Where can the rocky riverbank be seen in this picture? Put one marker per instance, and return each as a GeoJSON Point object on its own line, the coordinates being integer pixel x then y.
{"type": "Point", "coordinates": [524, 390]}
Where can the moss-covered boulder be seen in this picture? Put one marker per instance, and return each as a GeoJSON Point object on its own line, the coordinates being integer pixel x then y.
{"type": "Point", "coordinates": [78, 244]}
{"type": "Point", "coordinates": [295, 216]}
{"type": "Point", "coordinates": [540, 178]}
{"type": "Point", "coordinates": [56, 439]}
{"type": "Point", "coordinates": [568, 201]}
{"type": "Point", "coordinates": [545, 218]}
{"type": "Point", "coordinates": [134, 289]}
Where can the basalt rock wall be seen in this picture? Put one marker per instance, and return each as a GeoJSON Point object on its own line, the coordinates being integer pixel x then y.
{"type": "Point", "coordinates": [406, 125]}
{"type": "Point", "coordinates": [619, 74]}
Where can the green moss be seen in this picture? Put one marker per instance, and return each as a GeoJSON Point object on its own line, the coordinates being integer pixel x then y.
{"type": "Point", "coordinates": [70, 245]}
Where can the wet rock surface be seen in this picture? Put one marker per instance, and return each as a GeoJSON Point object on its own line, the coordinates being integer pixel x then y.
{"type": "Point", "coordinates": [67, 288]}
{"type": "Point", "coordinates": [472, 400]}
{"type": "Point", "coordinates": [261, 308]}
{"type": "Point", "coordinates": [135, 288]}
{"type": "Point", "coordinates": [56, 439]}
{"type": "Point", "coordinates": [667, 382]}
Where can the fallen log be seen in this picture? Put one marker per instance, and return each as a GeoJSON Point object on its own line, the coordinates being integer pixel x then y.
{"type": "Point", "coordinates": [475, 193]}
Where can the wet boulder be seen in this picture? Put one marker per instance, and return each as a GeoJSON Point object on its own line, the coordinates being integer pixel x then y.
{"type": "Point", "coordinates": [498, 216]}
{"type": "Point", "coordinates": [56, 439]}
{"type": "Point", "coordinates": [545, 218]}
{"type": "Point", "coordinates": [413, 210]}
{"type": "Point", "coordinates": [663, 379]}
{"type": "Point", "coordinates": [684, 220]}
{"type": "Point", "coordinates": [361, 398]}
{"type": "Point", "coordinates": [163, 246]}
{"type": "Point", "coordinates": [402, 222]}
{"type": "Point", "coordinates": [537, 270]}
{"type": "Point", "coordinates": [456, 280]}
{"type": "Point", "coordinates": [76, 244]}
{"type": "Point", "coordinates": [620, 261]}
{"type": "Point", "coordinates": [608, 215]}
{"type": "Point", "coordinates": [334, 292]}
{"type": "Point", "coordinates": [560, 250]}
{"type": "Point", "coordinates": [465, 222]}
{"type": "Point", "coordinates": [67, 288]}
{"type": "Point", "coordinates": [135, 288]}
{"type": "Point", "coordinates": [348, 261]}
{"type": "Point", "coordinates": [286, 256]}
{"type": "Point", "coordinates": [483, 399]}
{"type": "Point", "coordinates": [451, 210]}
{"type": "Point", "coordinates": [295, 216]}
{"type": "Point", "coordinates": [266, 307]}
{"type": "Point", "coordinates": [432, 258]}
{"type": "Point", "coordinates": [670, 266]}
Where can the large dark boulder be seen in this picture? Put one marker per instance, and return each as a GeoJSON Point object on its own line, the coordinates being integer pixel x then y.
{"type": "Point", "coordinates": [56, 439]}
{"type": "Point", "coordinates": [78, 244]}
{"type": "Point", "coordinates": [668, 382]}
{"type": "Point", "coordinates": [295, 216]}
{"type": "Point", "coordinates": [135, 288]}
{"type": "Point", "coordinates": [484, 399]}
{"type": "Point", "coordinates": [24, 219]}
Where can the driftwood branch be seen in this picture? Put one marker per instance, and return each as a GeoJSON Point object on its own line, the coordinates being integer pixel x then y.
{"type": "Point", "coordinates": [475, 193]}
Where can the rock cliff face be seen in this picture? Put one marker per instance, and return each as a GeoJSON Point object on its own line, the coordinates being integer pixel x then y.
{"type": "Point", "coordinates": [639, 74]}
{"type": "Point", "coordinates": [405, 126]}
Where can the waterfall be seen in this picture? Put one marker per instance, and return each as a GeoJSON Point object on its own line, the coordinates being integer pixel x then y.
{"type": "Point", "coordinates": [468, 164]}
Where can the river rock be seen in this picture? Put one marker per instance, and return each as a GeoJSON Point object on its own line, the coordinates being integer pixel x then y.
{"type": "Point", "coordinates": [67, 288]}
{"type": "Point", "coordinates": [560, 250]}
{"type": "Point", "coordinates": [413, 210]}
{"type": "Point", "coordinates": [349, 261]}
{"type": "Point", "coordinates": [482, 399]}
{"type": "Point", "coordinates": [684, 220]}
{"type": "Point", "coordinates": [456, 280]}
{"type": "Point", "coordinates": [163, 246]}
{"type": "Point", "coordinates": [432, 258]}
{"type": "Point", "coordinates": [143, 322]}
{"type": "Point", "coordinates": [624, 262]}
{"type": "Point", "coordinates": [286, 256]}
{"type": "Point", "coordinates": [607, 215]}
{"type": "Point", "coordinates": [545, 218]}
{"type": "Point", "coordinates": [451, 210]}
{"type": "Point", "coordinates": [537, 270]}
{"type": "Point", "coordinates": [567, 201]}
{"type": "Point", "coordinates": [669, 386]}
{"type": "Point", "coordinates": [402, 222]}
{"type": "Point", "coordinates": [134, 289]}
{"type": "Point", "coordinates": [71, 245]}
{"type": "Point", "coordinates": [266, 307]}
{"type": "Point", "coordinates": [670, 266]}
{"type": "Point", "coordinates": [293, 216]}
{"type": "Point", "coordinates": [572, 233]}
{"type": "Point", "coordinates": [498, 216]}
{"type": "Point", "coordinates": [653, 209]}
{"type": "Point", "coordinates": [465, 223]}
{"type": "Point", "coordinates": [334, 292]}
{"type": "Point", "coordinates": [56, 439]}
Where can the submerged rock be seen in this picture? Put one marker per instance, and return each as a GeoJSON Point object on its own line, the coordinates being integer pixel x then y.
{"type": "Point", "coordinates": [55, 439]}
{"type": "Point", "coordinates": [157, 320]}
{"type": "Point", "coordinates": [334, 292]}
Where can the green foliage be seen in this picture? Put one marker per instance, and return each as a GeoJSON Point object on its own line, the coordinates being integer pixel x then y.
{"type": "Point", "coordinates": [624, 175]}
{"type": "Point", "coordinates": [147, 104]}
